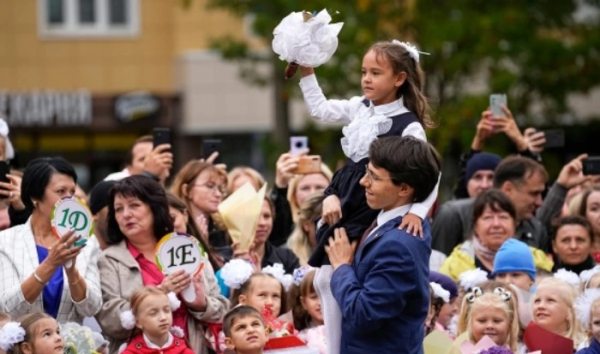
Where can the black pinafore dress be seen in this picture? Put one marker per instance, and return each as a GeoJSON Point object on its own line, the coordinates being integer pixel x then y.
{"type": "Point", "coordinates": [356, 214]}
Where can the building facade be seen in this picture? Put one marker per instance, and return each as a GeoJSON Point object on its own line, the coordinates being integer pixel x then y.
{"type": "Point", "coordinates": [85, 78]}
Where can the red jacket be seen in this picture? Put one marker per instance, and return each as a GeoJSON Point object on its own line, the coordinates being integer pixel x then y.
{"type": "Point", "coordinates": [138, 346]}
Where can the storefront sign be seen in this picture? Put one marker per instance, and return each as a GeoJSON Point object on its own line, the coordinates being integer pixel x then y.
{"type": "Point", "coordinates": [136, 105]}
{"type": "Point", "coordinates": [48, 108]}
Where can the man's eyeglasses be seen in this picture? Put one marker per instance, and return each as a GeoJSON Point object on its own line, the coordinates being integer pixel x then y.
{"type": "Point", "coordinates": [371, 177]}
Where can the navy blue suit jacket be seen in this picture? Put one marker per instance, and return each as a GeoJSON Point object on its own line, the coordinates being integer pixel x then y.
{"type": "Point", "coordinates": [594, 348]}
{"type": "Point", "coordinates": [384, 294]}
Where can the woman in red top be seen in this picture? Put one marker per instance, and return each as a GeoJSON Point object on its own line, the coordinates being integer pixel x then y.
{"type": "Point", "coordinates": [138, 217]}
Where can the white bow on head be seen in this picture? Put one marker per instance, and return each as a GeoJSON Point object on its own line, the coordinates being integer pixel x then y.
{"type": "Point", "coordinates": [411, 49]}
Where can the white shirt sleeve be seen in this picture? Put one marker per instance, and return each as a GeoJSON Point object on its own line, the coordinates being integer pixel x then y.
{"type": "Point", "coordinates": [415, 129]}
{"type": "Point", "coordinates": [421, 209]}
{"type": "Point", "coordinates": [331, 111]}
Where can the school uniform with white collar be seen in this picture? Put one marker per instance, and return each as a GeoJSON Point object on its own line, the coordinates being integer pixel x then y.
{"type": "Point", "coordinates": [140, 344]}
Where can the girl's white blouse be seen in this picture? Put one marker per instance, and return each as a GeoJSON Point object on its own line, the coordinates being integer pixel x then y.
{"type": "Point", "coordinates": [364, 125]}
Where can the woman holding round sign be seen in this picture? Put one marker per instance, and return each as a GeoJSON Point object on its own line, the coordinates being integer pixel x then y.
{"type": "Point", "coordinates": [43, 266]}
{"type": "Point", "coordinates": [139, 255]}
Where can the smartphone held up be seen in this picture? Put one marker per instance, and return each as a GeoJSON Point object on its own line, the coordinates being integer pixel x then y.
{"type": "Point", "coordinates": [591, 165]}
{"type": "Point", "coordinates": [298, 144]}
{"type": "Point", "coordinates": [4, 170]}
{"type": "Point", "coordinates": [209, 147]}
{"type": "Point", "coordinates": [497, 101]}
{"type": "Point", "coordinates": [306, 164]}
{"type": "Point", "coordinates": [161, 136]}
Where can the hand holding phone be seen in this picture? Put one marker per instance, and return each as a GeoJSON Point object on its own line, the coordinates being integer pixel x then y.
{"type": "Point", "coordinates": [210, 146]}
{"type": "Point", "coordinates": [591, 165]}
{"type": "Point", "coordinates": [554, 138]}
{"type": "Point", "coordinates": [308, 165]}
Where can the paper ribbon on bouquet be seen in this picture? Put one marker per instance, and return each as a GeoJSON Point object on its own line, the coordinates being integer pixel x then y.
{"type": "Point", "coordinates": [240, 212]}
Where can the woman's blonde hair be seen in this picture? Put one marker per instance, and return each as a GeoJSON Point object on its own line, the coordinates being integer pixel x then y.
{"type": "Point", "coordinates": [568, 294]}
{"type": "Point", "coordinates": [240, 171]}
{"type": "Point", "coordinates": [291, 193]}
{"type": "Point", "coordinates": [309, 211]}
{"type": "Point", "coordinates": [494, 300]}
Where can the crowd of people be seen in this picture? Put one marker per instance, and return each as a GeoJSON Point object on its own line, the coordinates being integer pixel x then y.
{"type": "Point", "coordinates": [358, 260]}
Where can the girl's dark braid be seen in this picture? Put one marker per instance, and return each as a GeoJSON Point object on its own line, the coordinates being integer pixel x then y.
{"type": "Point", "coordinates": [437, 307]}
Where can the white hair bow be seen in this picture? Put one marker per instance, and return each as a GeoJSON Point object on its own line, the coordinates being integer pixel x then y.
{"type": "Point", "coordinates": [11, 334]}
{"type": "Point", "coordinates": [411, 49]}
{"type": "Point", "coordinates": [128, 319]}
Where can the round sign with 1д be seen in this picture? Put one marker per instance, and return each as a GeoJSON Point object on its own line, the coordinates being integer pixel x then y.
{"type": "Point", "coordinates": [177, 251]}
{"type": "Point", "coordinates": [71, 213]}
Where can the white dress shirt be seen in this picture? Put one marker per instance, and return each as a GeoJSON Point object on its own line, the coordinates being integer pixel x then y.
{"type": "Point", "coordinates": [354, 111]}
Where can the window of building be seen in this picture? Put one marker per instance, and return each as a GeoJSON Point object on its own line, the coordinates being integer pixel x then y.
{"type": "Point", "coordinates": [88, 18]}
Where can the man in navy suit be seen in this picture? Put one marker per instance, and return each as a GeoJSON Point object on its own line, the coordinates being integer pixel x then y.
{"type": "Point", "coordinates": [381, 284]}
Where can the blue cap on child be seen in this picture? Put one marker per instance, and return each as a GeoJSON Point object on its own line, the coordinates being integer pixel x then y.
{"type": "Point", "coordinates": [514, 256]}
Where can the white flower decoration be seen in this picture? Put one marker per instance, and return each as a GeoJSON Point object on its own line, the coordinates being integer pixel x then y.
{"type": "Point", "coordinates": [472, 278]}
{"type": "Point", "coordinates": [583, 306]}
{"type": "Point", "coordinates": [236, 272]}
{"type": "Point", "coordinates": [411, 49]}
{"type": "Point", "coordinates": [440, 292]}
{"type": "Point", "coordinates": [127, 320]}
{"type": "Point", "coordinates": [173, 301]}
{"type": "Point", "coordinates": [277, 271]}
{"type": "Point", "coordinates": [311, 43]}
{"type": "Point", "coordinates": [568, 277]}
{"type": "Point", "coordinates": [11, 334]}
{"type": "Point", "coordinates": [177, 331]}
{"type": "Point", "coordinates": [299, 274]}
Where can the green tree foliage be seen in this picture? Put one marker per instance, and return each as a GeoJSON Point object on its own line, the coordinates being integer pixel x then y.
{"type": "Point", "coordinates": [537, 51]}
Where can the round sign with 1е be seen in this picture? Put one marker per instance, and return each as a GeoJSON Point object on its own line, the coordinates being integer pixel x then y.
{"type": "Point", "coordinates": [177, 251]}
{"type": "Point", "coordinates": [71, 213]}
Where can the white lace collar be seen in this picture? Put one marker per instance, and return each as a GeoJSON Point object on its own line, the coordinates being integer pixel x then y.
{"type": "Point", "coordinates": [369, 123]}
{"type": "Point", "coordinates": [154, 346]}
{"type": "Point", "coordinates": [388, 109]}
